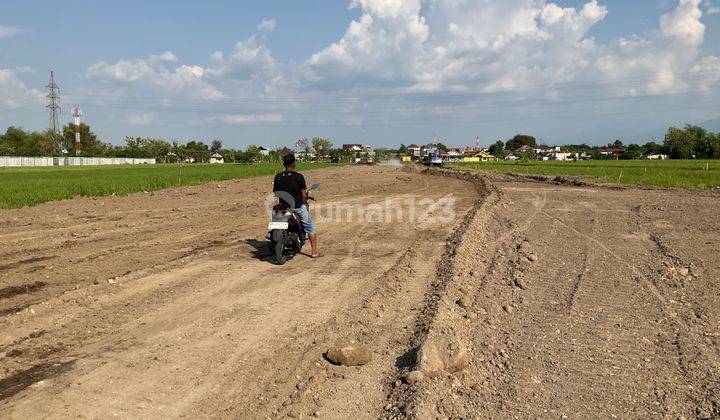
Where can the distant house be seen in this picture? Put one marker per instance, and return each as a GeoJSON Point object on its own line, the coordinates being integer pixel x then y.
{"type": "Point", "coordinates": [263, 151]}
{"type": "Point", "coordinates": [485, 156]}
{"type": "Point", "coordinates": [469, 151]}
{"type": "Point", "coordinates": [524, 149]}
{"type": "Point", "coordinates": [352, 147]}
{"type": "Point", "coordinates": [481, 156]}
{"type": "Point", "coordinates": [452, 155]}
{"type": "Point", "coordinates": [564, 157]}
{"type": "Point", "coordinates": [414, 150]}
{"type": "Point", "coordinates": [545, 149]}
{"type": "Point", "coordinates": [612, 151]}
{"type": "Point", "coordinates": [510, 155]}
{"type": "Point", "coordinates": [216, 158]}
{"type": "Point", "coordinates": [305, 156]}
{"type": "Point", "coordinates": [364, 155]}
{"type": "Point", "coordinates": [657, 157]}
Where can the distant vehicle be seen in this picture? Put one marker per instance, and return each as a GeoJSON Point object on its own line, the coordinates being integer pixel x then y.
{"type": "Point", "coordinates": [433, 157]}
{"type": "Point", "coordinates": [364, 158]}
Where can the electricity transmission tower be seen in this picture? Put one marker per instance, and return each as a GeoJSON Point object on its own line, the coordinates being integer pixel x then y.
{"type": "Point", "coordinates": [53, 103]}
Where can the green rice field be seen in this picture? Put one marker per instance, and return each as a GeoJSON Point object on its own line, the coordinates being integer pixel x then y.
{"type": "Point", "coordinates": [21, 187]}
{"type": "Point", "coordinates": [698, 174]}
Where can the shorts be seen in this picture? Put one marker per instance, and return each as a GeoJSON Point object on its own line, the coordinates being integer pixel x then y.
{"type": "Point", "coordinates": [305, 219]}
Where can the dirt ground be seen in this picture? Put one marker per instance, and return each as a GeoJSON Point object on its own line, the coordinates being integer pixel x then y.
{"type": "Point", "coordinates": [550, 301]}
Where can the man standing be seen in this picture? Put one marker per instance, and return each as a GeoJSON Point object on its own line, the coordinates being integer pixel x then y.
{"type": "Point", "coordinates": [296, 197]}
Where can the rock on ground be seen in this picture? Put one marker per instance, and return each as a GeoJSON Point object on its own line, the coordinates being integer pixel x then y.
{"type": "Point", "coordinates": [436, 357]}
{"type": "Point", "coordinates": [350, 355]}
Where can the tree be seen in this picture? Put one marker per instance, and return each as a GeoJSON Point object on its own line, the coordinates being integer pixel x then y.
{"type": "Point", "coordinates": [250, 155]}
{"type": "Point", "coordinates": [90, 145]}
{"type": "Point", "coordinates": [304, 146]}
{"type": "Point", "coordinates": [216, 146]}
{"type": "Point", "coordinates": [707, 146]}
{"type": "Point", "coordinates": [633, 151]}
{"type": "Point", "coordinates": [322, 147]}
{"type": "Point", "coordinates": [197, 145]}
{"type": "Point", "coordinates": [133, 148]}
{"type": "Point", "coordinates": [403, 150]}
{"type": "Point", "coordinates": [18, 142]}
{"type": "Point", "coordinates": [652, 148]}
{"type": "Point", "coordinates": [497, 149]}
{"type": "Point", "coordinates": [11, 143]}
{"type": "Point", "coordinates": [158, 149]}
{"type": "Point", "coordinates": [442, 147]}
{"type": "Point", "coordinates": [679, 144]}
{"type": "Point", "coordinates": [340, 156]}
{"type": "Point", "coordinates": [178, 150]}
{"type": "Point", "coordinates": [253, 153]}
{"type": "Point", "coordinates": [520, 140]}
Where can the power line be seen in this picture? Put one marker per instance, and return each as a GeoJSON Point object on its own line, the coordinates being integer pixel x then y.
{"type": "Point", "coordinates": [334, 98]}
{"type": "Point", "coordinates": [53, 103]}
{"type": "Point", "coordinates": [385, 108]}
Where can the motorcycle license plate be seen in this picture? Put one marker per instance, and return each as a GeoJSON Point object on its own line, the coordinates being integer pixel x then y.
{"type": "Point", "coordinates": [278, 225]}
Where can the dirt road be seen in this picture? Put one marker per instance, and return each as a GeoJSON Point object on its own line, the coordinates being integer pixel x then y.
{"type": "Point", "coordinates": [580, 302]}
{"type": "Point", "coordinates": [166, 304]}
{"type": "Point", "coordinates": [556, 300]}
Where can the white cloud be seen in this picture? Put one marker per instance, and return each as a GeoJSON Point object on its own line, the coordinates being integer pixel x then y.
{"type": "Point", "coordinates": [267, 25]}
{"type": "Point", "coordinates": [406, 46]}
{"type": "Point", "coordinates": [8, 31]}
{"type": "Point", "coordinates": [166, 57]}
{"type": "Point", "coordinates": [248, 70]}
{"type": "Point", "coordinates": [489, 44]}
{"type": "Point", "coordinates": [386, 45]}
{"type": "Point", "coordinates": [160, 71]}
{"type": "Point", "coordinates": [251, 59]}
{"type": "Point", "coordinates": [147, 118]}
{"type": "Point", "coordinates": [13, 91]}
{"type": "Point", "coordinates": [710, 8]}
{"type": "Point", "coordinates": [217, 56]}
{"type": "Point", "coordinates": [243, 119]}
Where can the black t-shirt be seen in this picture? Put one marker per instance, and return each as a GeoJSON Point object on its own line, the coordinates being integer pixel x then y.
{"type": "Point", "coordinates": [291, 183]}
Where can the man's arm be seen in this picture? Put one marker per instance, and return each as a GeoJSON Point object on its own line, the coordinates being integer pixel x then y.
{"type": "Point", "coordinates": [303, 190]}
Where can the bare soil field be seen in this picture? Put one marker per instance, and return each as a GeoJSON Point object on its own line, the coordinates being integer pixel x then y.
{"type": "Point", "coordinates": [536, 300]}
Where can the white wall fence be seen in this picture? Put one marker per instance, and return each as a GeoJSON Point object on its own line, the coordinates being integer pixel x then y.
{"type": "Point", "coordinates": [11, 161]}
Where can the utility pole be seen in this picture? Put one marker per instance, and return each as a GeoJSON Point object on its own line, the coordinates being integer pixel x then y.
{"type": "Point", "coordinates": [53, 103]}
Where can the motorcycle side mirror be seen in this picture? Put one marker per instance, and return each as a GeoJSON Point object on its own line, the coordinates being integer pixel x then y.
{"type": "Point", "coordinates": [314, 187]}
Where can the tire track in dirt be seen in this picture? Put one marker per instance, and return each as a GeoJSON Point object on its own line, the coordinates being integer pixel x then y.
{"type": "Point", "coordinates": [615, 351]}
{"type": "Point", "coordinates": [208, 320]}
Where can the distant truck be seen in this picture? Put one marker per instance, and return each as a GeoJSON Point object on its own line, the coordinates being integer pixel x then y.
{"type": "Point", "coordinates": [432, 156]}
{"type": "Point", "coordinates": [364, 158]}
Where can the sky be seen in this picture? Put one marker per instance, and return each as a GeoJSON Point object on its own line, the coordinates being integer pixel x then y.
{"type": "Point", "coordinates": [379, 72]}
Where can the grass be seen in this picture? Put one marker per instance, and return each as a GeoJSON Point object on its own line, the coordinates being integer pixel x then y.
{"type": "Point", "coordinates": [667, 173]}
{"type": "Point", "coordinates": [21, 187]}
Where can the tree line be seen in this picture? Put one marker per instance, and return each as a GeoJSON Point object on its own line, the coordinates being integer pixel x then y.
{"type": "Point", "coordinates": [18, 142]}
{"type": "Point", "coordinates": [691, 142]}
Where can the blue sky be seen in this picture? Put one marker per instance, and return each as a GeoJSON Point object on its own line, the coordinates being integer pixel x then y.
{"type": "Point", "coordinates": [382, 72]}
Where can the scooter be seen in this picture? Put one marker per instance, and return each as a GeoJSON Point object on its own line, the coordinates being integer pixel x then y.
{"type": "Point", "coordinates": [286, 235]}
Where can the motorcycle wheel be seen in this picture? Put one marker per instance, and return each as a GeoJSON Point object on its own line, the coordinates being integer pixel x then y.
{"type": "Point", "coordinates": [280, 257]}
